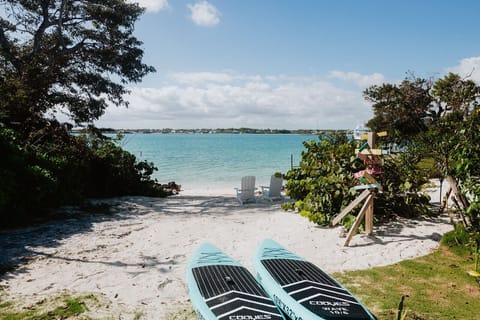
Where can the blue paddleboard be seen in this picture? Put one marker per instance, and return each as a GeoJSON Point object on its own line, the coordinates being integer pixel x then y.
{"type": "Point", "coordinates": [221, 288]}
{"type": "Point", "coordinates": [301, 289]}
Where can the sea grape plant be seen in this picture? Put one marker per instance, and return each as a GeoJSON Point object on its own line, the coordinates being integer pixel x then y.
{"type": "Point", "coordinates": [322, 183]}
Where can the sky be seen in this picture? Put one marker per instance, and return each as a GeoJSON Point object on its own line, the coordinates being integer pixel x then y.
{"type": "Point", "coordinates": [289, 64]}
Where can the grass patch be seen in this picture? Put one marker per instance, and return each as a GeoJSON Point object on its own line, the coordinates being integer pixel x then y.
{"type": "Point", "coordinates": [436, 286]}
{"type": "Point", "coordinates": [185, 313]}
{"type": "Point", "coordinates": [63, 307]}
{"type": "Point", "coordinates": [428, 165]}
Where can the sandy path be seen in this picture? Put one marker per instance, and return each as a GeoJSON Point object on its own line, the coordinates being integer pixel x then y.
{"type": "Point", "coordinates": [137, 256]}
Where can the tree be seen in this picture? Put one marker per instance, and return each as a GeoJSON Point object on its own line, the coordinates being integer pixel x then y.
{"type": "Point", "coordinates": [400, 109]}
{"type": "Point", "coordinates": [74, 55]}
{"type": "Point", "coordinates": [453, 94]}
{"type": "Point", "coordinates": [452, 138]}
{"type": "Point", "coordinates": [467, 159]}
{"type": "Point", "coordinates": [441, 121]}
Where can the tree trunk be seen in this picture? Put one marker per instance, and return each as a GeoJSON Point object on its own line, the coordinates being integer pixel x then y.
{"type": "Point", "coordinates": [460, 200]}
{"type": "Point", "coordinates": [457, 194]}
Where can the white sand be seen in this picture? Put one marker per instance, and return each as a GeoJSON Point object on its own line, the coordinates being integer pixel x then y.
{"type": "Point", "coordinates": [137, 257]}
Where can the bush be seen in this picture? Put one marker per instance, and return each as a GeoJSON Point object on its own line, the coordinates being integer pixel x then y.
{"type": "Point", "coordinates": [58, 169]}
{"type": "Point", "coordinates": [117, 171]}
{"type": "Point", "coordinates": [19, 190]}
{"type": "Point", "coordinates": [322, 183]}
{"type": "Point", "coordinates": [402, 180]}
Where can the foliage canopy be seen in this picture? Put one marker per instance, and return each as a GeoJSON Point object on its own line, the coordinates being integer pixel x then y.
{"type": "Point", "coordinates": [447, 129]}
{"type": "Point", "coordinates": [400, 110]}
{"type": "Point", "coordinates": [427, 119]}
{"type": "Point", "coordinates": [69, 55]}
{"type": "Point", "coordinates": [73, 57]}
{"type": "Point", "coordinates": [321, 184]}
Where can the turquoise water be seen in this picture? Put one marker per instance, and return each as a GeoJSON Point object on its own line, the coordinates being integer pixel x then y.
{"type": "Point", "coordinates": [216, 161]}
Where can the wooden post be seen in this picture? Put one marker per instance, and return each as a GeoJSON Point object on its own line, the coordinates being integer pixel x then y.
{"type": "Point", "coordinates": [358, 220]}
{"type": "Point", "coordinates": [371, 140]}
{"type": "Point", "coordinates": [444, 203]}
{"type": "Point", "coordinates": [350, 207]}
{"type": "Point", "coordinates": [369, 217]}
{"type": "Point", "coordinates": [456, 193]}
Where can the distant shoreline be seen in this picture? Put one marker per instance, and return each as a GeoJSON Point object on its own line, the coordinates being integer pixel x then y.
{"type": "Point", "coordinates": [222, 131]}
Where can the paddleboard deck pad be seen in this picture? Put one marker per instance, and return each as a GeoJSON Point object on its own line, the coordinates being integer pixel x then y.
{"type": "Point", "coordinates": [221, 288]}
{"type": "Point", "coordinates": [301, 289]}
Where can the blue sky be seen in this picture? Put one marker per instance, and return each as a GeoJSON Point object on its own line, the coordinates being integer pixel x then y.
{"type": "Point", "coordinates": [289, 63]}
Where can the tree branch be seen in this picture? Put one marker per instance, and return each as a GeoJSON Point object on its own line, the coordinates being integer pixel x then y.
{"type": "Point", "coordinates": [37, 38]}
{"type": "Point", "coordinates": [7, 51]}
{"type": "Point", "coordinates": [60, 42]}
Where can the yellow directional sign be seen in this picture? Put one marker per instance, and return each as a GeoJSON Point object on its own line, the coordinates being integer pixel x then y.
{"type": "Point", "coordinates": [369, 152]}
{"type": "Point", "coordinates": [379, 134]}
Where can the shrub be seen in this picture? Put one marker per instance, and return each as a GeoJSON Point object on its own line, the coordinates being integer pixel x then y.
{"type": "Point", "coordinates": [322, 183]}
{"type": "Point", "coordinates": [402, 180]}
{"type": "Point", "coordinates": [53, 168]}
{"type": "Point", "coordinates": [19, 188]}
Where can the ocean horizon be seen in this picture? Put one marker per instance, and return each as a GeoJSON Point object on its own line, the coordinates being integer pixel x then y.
{"type": "Point", "coordinates": [215, 163]}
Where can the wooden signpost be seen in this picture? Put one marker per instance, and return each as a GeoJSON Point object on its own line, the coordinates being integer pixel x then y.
{"type": "Point", "coordinates": [372, 159]}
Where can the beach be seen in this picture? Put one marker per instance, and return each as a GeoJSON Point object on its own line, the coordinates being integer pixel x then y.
{"type": "Point", "coordinates": [135, 257]}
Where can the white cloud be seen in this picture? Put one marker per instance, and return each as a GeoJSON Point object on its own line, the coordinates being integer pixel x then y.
{"type": "Point", "coordinates": [204, 14]}
{"type": "Point", "coordinates": [358, 79]}
{"type": "Point", "coordinates": [152, 5]}
{"type": "Point", "coordinates": [201, 77]}
{"type": "Point", "coordinates": [468, 67]}
{"type": "Point", "coordinates": [236, 100]}
{"type": "Point", "coordinates": [207, 78]}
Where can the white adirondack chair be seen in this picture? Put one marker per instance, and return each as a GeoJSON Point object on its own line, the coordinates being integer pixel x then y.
{"type": "Point", "coordinates": [247, 191]}
{"type": "Point", "coordinates": [273, 192]}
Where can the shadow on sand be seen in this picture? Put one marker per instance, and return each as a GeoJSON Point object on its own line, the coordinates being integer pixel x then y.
{"type": "Point", "coordinates": [20, 245]}
{"type": "Point", "coordinates": [394, 231]}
